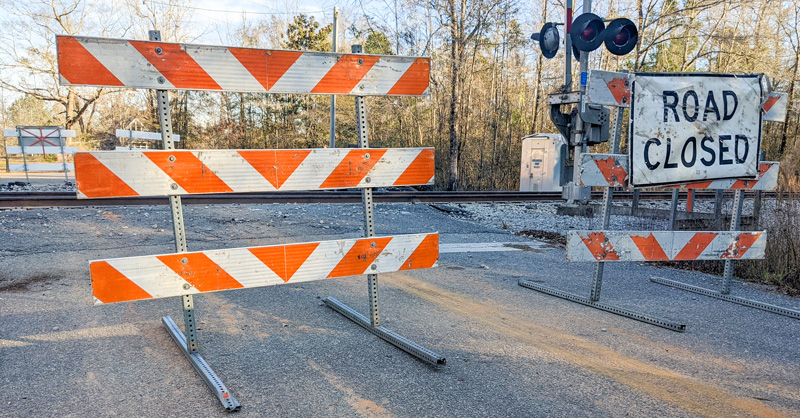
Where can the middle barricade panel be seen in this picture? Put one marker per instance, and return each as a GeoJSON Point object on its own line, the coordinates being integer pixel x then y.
{"type": "Point", "coordinates": [180, 172]}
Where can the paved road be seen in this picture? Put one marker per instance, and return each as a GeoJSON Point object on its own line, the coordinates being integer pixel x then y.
{"type": "Point", "coordinates": [511, 352]}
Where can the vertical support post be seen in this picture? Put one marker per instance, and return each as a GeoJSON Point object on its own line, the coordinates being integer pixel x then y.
{"type": "Point", "coordinates": [673, 209]}
{"type": "Point", "coordinates": [736, 215]}
{"type": "Point", "coordinates": [5, 151]}
{"type": "Point", "coordinates": [366, 194]}
{"type": "Point", "coordinates": [690, 200]}
{"type": "Point", "coordinates": [635, 201]}
{"type": "Point", "coordinates": [568, 48]}
{"type": "Point", "coordinates": [130, 139]}
{"type": "Point", "coordinates": [333, 96]}
{"type": "Point", "coordinates": [718, 199]}
{"type": "Point", "coordinates": [63, 156]}
{"type": "Point", "coordinates": [24, 160]}
{"type": "Point", "coordinates": [608, 196]}
{"type": "Point", "coordinates": [165, 121]}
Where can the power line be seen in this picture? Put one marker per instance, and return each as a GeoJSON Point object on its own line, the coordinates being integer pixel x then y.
{"type": "Point", "coordinates": [236, 11]}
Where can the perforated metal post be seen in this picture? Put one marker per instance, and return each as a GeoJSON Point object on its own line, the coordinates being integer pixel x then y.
{"type": "Point", "coordinates": [736, 215]}
{"type": "Point", "coordinates": [605, 214]}
{"type": "Point", "coordinates": [369, 207]}
{"type": "Point", "coordinates": [188, 341]}
{"type": "Point", "coordinates": [165, 120]}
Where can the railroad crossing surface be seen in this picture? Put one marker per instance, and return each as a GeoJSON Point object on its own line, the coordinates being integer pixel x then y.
{"type": "Point", "coordinates": [511, 352]}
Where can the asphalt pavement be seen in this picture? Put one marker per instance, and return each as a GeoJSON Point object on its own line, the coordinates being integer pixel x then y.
{"type": "Point", "coordinates": [511, 351]}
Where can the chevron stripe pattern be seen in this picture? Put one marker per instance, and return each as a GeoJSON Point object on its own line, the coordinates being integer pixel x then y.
{"type": "Point", "coordinates": [664, 245]}
{"type": "Point", "coordinates": [611, 170]}
{"type": "Point", "coordinates": [102, 62]}
{"type": "Point", "coordinates": [104, 174]}
{"type": "Point", "coordinates": [159, 276]}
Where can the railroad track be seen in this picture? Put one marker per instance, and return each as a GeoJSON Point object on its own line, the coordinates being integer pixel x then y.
{"type": "Point", "coordinates": [26, 199]}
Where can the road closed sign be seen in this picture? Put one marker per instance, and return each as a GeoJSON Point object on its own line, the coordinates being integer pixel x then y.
{"type": "Point", "coordinates": [694, 127]}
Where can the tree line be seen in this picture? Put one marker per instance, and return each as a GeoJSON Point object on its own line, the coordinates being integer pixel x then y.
{"type": "Point", "coordinates": [488, 89]}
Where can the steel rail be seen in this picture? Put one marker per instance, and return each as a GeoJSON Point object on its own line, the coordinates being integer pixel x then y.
{"type": "Point", "coordinates": [26, 199]}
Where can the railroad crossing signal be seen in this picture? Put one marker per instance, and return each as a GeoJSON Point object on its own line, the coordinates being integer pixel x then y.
{"type": "Point", "coordinates": [589, 31]}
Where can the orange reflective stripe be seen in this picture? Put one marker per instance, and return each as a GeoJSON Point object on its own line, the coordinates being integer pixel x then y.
{"type": "Point", "coordinates": [109, 285]}
{"type": "Point", "coordinates": [697, 185]}
{"type": "Point", "coordinates": [79, 66]}
{"type": "Point", "coordinates": [284, 260]}
{"type": "Point", "coordinates": [599, 246]}
{"type": "Point", "coordinates": [94, 179]}
{"type": "Point", "coordinates": [650, 248]}
{"type": "Point", "coordinates": [743, 243]}
{"type": "Point", "coordinates": [415, 80]}
{"type": "Point", "coordinates": [277, 64]}
{"type": "Point", "coordinates": [770, 102]}
{"type": "Point", "coordinates": [353, 168]}
{"type": "Point", "coordinates": [613, 173]}
{"type": "Point", "coordinates": [345, 74]}
{"type": "Point", "coordinates": [188, 172]}
{"type": "Point", "coordinates": [620, 90]}
{"type": "Point", "coordinates": [360, 256]}
{"type": "Point", "coordinates": [204, 274]}
{"type": "Point", "coordinates": [254, 60]}
{"type": "Point", "coordinates": [425, 255]}
{"type": "Point", "coordinates": [176, 65]}
{"type": "Point", "coordinates": [275, 165]}
{"type": "Point", "coordinates": [699, 242]}
{"type": "Point", "coordinates": [420, 171]}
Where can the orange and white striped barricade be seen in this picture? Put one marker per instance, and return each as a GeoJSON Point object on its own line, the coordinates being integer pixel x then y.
{"type": "Point", "coordinates": [40, 140]}
{"type": "Point", "coordinates": [139, 136]}
{"type": "Point", "coordinates": [169, 172]}
{"type": "Point", "coordinates": [614, 171]}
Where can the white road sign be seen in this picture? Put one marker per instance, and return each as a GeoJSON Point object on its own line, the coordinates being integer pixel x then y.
{"type": "Point", "coordinates": [694, 127]}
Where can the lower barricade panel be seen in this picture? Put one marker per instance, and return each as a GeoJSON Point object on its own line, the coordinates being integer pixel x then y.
{"type": "Point", "coordinates": [160, 276]}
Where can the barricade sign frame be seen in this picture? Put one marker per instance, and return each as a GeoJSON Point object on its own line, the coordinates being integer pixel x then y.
{"type": "Point", "coordinates": [174, 173]}
{"type": "Point", "coordinates": [48, 140]}
{"type": "Point", "coordinates": [613, 170]}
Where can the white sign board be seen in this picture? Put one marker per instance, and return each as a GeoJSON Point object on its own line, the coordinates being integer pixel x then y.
{"type": "Point", "coordinates": [694, 127]}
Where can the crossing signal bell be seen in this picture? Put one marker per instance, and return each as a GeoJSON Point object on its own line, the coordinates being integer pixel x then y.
{"type": "Point", "coordinates": [548, 40]}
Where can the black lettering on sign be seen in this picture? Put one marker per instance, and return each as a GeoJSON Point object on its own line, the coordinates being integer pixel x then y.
{"type": "Point", "coordinates": [673, 105]}
{"type": "Point", "coordinates": [709, 150]}
{"type": "Point", "coordinates": [689, 163]}
{"type": "Point", "coordinates": [740, 138]}
{"type": "Point", "coordinates": [726, 94]}
{"type": "Point", "coordinates": [711, 106]}
{"type": "Point", "coordinates": [723, 149]}
{"type": "Point", "coordinates": [686, 97]}
{"type": "Point", "coordinates": [668, 164]}
{"type": "Point", "coordinates": [647, 162]}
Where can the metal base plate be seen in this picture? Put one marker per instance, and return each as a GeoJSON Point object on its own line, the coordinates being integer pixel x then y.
{"type": "Point", "coordinates": [603, 306]}
{"type": "Point", "coordinates": [728, 298]}
{"type": "Point", "coordinates": [201, 367]}
{"type": "Point", "coordinates": [391, 337]}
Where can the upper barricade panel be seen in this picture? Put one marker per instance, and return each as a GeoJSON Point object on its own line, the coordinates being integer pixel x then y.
{"type": "Point", "coordinates": [102, 62]}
